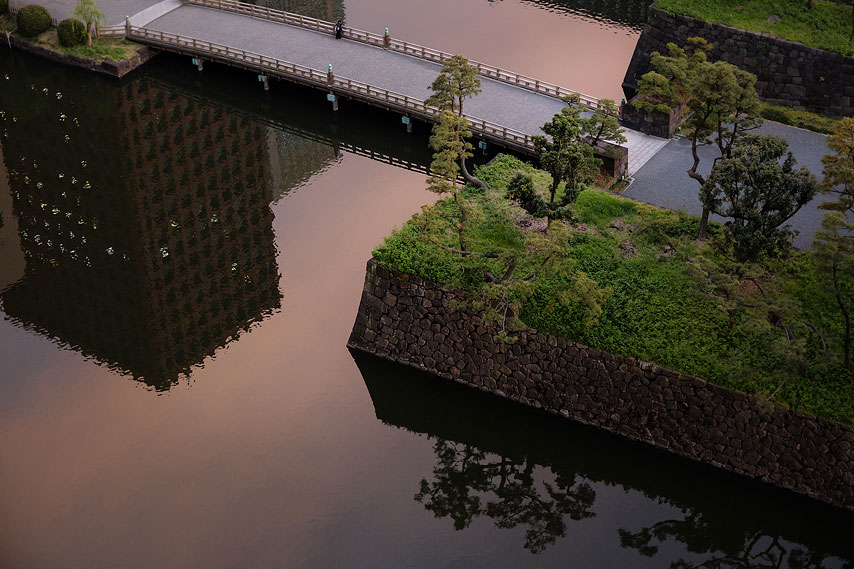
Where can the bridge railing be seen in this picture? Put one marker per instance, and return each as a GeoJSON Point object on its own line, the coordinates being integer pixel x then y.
{"type": "Point", "coordinates": [340, 85]}
{"type": "Point", "coordinates": [411, 49]}
{"type": "Point", "coordinates": [112, 31]}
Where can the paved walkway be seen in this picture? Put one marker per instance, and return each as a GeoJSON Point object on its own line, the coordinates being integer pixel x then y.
{"type": "Point", "coordinates": [663, 181]}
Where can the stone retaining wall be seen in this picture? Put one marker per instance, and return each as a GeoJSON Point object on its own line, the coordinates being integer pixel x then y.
{"type": "Point", "coordinates": [656, 123]}
{"type": "Point", "coordinates": [111, 68]}
{"type": "Point", "coordinates": [788, 73]}
{"type": "Point", "coordinates": [407, 319]}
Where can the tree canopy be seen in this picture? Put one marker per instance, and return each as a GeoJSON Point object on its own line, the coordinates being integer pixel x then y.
{"type": "Point", "coordinates": [721, 98]}
{"type": "Point", "coordinates": [88, 11]}
{"type": "Point", "coordinates": [565, 155]}
{"type": "Point", "coordinates": [456, 82]}
{"type": "Point", "coordinates": [839, 167]}
{"type": "Point", "coordinates": [759, 188]}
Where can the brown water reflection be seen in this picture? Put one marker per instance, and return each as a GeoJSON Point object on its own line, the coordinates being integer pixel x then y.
{"type": "Point", "coordinates": [269, 453]}
{"type": "Point", "coordinates": [255, 460]}
{"type": "Point", "coordinates": [146, 226]}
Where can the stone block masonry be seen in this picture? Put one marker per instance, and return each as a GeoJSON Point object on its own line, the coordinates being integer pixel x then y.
{"type": "Point", "coordinates": [788, 73]}
{"type": "Point", "coordinates": [410, 320]}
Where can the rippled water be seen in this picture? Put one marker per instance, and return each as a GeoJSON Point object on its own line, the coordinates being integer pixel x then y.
{"type": "Point", "coordinates": [181, 260]}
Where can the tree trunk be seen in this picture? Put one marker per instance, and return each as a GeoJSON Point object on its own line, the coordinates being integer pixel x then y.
{"type": "Point", "coordinates": [704, 218]}
{"type": "Point", "coordinates": [809, 4]}
{"type": "Point", "coordinates": [704, 225]}
{"type": "Point", "coordinates": [89, 34]}
{"type": "Point", "coordinates": [846, 340]}
{"type": "Point", "coordinates": [472, 179]}
{"type": "Point", "coordinates": [598, 136]}
{"type": "Point", "coordinates": [462, 224]}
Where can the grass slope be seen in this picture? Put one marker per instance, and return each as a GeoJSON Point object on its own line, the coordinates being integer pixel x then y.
{"type": "Point", "coordinates": [657, 307]}
{"type": "Point", "coordinates": [826, 26]}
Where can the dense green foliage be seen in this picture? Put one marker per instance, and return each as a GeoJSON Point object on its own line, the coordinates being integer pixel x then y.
{"type": "Point", "coordinates": [629, 278]}
{"type": "Point", "coordinates": [722, 99]}
{"type": "Point", "coordinates": [759, 189]}
{"type": "Point", "coordinates": [4, 6]}
{"type": "Point", "coordinates": [839, 167]}
{"type": "Point", "coordinates": [800, 119]}
{"type": "Point", "coordinates": [33, 20]}
{"type": "Point", "coordinates": [88, 12]}
{"type": "Point", "coordinates": [71, 32]}
{"type": "Point", "coordinates": [826, 26]}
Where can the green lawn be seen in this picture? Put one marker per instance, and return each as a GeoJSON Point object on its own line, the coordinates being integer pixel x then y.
{"type": "Point", "coordinates": [826, 26]}
{"type": "Point", "coordinates": [658, 305]}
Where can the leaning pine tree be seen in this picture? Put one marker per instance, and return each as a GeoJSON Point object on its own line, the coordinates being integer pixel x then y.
{"type": "Point", "coordinates": [457, 82]}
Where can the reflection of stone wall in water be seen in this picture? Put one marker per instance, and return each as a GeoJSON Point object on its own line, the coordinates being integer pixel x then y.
{"type": "Point", "coordinates": [328, 10]}
{"type": "Point", "coordinates": [409, 320]}
{"type": "Point", "coordinates": [518, 468]}
{"type": "Point", "coordinates": [145, 222]}
{"type": "Point", "coordinates": [629, 13]}
{"type": "Point", "coordinates": [293, 160]}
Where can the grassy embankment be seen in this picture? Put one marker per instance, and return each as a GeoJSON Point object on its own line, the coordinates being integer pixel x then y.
{"type": "Point", "coordinates": [109, 49]}
{"type": "Point", "coordinates": [826, 26]}
{"type": "Point", "coordinates": [659, 306]}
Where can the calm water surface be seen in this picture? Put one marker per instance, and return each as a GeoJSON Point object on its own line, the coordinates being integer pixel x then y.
{"type": "Point", "coordinates": [181, 260]}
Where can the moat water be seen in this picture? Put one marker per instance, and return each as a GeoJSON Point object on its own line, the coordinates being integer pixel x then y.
{"type": "Point", "coordinates": [181, 260]}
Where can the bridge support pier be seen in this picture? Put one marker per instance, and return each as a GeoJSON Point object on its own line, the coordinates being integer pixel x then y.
{"type": "Point", "coordinates": [408, 122]}
{"type": "Point", "coordinates": [332, 98]}
{"type": "Point", "coordinates": [200, 64]}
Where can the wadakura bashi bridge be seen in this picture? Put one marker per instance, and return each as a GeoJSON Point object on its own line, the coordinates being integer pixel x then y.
{"type": "Point", "coordinates": [374, 69]}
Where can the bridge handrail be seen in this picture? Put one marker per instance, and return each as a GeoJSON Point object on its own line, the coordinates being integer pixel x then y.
{"type": "Point", "coordinates": [343, 85]}
{"type": "Point", "coordinates": [408, 48]}
{"type": "Point", "coordinates": [112, 31]}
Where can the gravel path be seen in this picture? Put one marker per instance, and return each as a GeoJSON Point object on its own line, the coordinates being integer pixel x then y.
{"type": "Point", "coordinates": [663, 180]}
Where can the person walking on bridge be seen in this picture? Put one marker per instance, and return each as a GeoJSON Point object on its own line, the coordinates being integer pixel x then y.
{"type": "Point", "coordinates": [339, 29]}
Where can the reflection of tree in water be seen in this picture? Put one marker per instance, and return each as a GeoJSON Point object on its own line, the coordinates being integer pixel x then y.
{"type": "Point", "coordinates": [465, 477]}
{"type": "Point", "coordinates": [621, 13]}
{"type": "Point", "coordinates": [504, 453]}
{"type": "Point", "coordinates": [725, 547]}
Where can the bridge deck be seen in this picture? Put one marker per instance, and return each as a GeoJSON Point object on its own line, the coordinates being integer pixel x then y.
{"type": "Point", "coordinates": [500, 103]}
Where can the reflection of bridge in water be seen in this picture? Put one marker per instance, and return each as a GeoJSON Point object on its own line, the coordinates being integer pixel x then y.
{"type": "Point", "coordinates": [358, 141]}
{"type": "Point", "coordinates": [523, 468]}
{"type": "Point", "coordinates": [144, 219]}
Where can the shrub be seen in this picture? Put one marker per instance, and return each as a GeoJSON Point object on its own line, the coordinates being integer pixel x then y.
{"type": "Point", "coordinates": [71, 32]}
{"type": "Point", "coordinates": [798, 118]}
{"type": "Point", "coordinates": [33, 20]}
{"type": "Point", "coordinates": [4, 6]}
{"type": "Point", "coordinates": [773, 114]}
